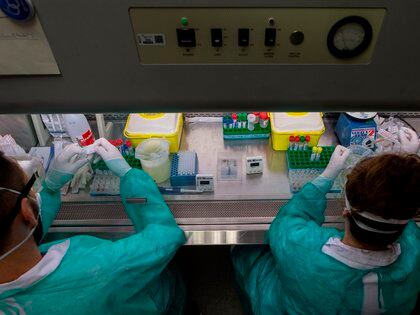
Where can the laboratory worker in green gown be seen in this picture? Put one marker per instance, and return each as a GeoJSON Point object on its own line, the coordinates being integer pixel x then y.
{"type": "Point", "coordinates": [372, 267]}
{"type": "Point", "coordinates": [84, 274]}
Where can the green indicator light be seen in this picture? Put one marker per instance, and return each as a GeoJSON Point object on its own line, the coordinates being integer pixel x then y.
{"type": "Point", "coordinates": [184, 21]}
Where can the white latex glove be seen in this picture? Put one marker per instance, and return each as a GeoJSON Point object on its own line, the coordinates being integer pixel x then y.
{"type": "Point", "coordinates": [337, 162]}
{"type": "Point", "coordinates": [64, 166]}
{"type": "Point", "coordinates": [112, 157]}
{"type": "Point", "coordinates": [409, 140]}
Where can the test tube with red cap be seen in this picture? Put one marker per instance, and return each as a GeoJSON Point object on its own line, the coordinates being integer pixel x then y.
{"type": "Point", "coordinates": [296, 145]}
{"type": "Point", "coordinates": [307, 139]}
{"type": "Point", "coordinates": [291, 142]}
{"type": "Point", "coordinates": [263, 120]}
{"type": "Point", "coordinates": [235, 119]}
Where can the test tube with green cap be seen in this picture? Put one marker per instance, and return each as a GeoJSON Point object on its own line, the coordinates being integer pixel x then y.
{"type": "Point", "coordinates": [314, 151]}
{"type": "Point", "coordinates": [302, 142]}
{"type": "Point", "coordinates": [244, 120]}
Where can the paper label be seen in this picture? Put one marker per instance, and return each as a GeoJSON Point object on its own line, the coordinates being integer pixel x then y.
{"type": "Point", "coordinates": [357, 135]}
{"type": "Point", "coordinates": [151, 39]}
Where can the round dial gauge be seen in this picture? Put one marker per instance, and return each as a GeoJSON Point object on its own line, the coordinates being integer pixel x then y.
{"type": "Point", "coordinates": [349, 37]}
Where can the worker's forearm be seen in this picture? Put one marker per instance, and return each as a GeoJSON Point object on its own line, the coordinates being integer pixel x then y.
{"type": "Point", "coordinates": [310, 202]}
{"type": "Point", "coordinates": [51, 203]}
{"type": "Point", "coordinates": [324, 184]}
{"type": "Point", "coordinates": [137, 184]}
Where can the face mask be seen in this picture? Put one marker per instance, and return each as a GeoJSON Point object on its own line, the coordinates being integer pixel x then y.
{"type": "Point", "coordinates": [36, 231]}
{"type": "Point", "coordinates": [374, 223]}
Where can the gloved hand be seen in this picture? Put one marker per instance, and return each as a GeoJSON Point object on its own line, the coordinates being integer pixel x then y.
{"type": "Point", "coordinates": [64, 166]}
{"type": "Point", "coordinates": [337, 162]}
{"type": "Point", "coordinates": [112, 157]}
{"type": "Point", "coordinates": [409, 140]}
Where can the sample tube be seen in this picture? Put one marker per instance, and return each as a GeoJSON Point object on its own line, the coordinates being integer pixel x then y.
{"type": "Point", "coordinates": [263, 120]}
{"type": "Point", "coordinates": [296, 145]}
{"type": "Point", "coordinates": [240, 120]}
{"type": "Point", "coordinates": [251, 121]}
{"type": "Point", "coordinates": [244, 120]}
{"type": "Point", "coordinates": [234, 117]}
{"type": "Point", "coordinates": [307, 139]}
{"type": "Point", "coordinates": [291, 142]}
{"type": "Point", "coordinates": [302, 142]}
{"type": "Point", "coordinates": [257, 117]}
{"type": "Point", "coordinates": [314, 151]}
{"type": "Point", "coordinates": [318, 154]}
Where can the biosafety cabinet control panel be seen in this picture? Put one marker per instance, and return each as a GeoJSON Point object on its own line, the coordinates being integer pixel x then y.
{"type": "Point", "coordinates": [256, 35]}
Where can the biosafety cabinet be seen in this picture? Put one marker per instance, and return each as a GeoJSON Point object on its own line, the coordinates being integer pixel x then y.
{"type": "Point", "coordinates": [204, 59]}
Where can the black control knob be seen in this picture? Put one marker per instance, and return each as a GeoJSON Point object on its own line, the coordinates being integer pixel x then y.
{"type": "Point", "coordinates": [297, 37]}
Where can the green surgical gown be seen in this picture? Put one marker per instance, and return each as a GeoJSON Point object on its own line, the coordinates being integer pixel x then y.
{"type": "Point", "coordinates": [97, 276]}
{"type": "Point", "coordinates": [293, 275]}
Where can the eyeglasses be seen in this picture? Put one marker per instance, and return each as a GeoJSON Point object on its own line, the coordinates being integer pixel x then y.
{"type": "Point", "coordinates": [7, 222]}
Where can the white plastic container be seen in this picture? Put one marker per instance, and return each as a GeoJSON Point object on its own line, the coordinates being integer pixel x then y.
{"type": "Point", "coordinates": [154, 157]}
{"type": "Point", "coordinates": [78, 129]}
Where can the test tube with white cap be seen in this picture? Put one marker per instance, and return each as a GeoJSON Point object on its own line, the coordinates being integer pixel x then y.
{"type": "Point", "coordinates": [251, 121]}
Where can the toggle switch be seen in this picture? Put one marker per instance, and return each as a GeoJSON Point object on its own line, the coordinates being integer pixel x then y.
{"type": "Point", "coordinates": [186, 37]}
{"type": "Point", "coordinates": [216, 37]}
{"type": "Point", "coordinates": [243, 37]}
{"type": "Point", "coordinates": [270, 37]}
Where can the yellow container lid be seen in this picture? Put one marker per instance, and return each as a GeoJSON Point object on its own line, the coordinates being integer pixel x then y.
{"type": "Point", "coordinates": [291, 122]}
{"type": "Point", "coordinates": [152, 124]}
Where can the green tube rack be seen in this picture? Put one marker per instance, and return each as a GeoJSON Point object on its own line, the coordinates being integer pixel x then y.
{"type": "Point", "coordinates": [131, 160]}
{"type": "Point", "coordinates": [236, 133]}
{"type": "Point", "coordinates": [244, 133]}
{"type": "Point", "coordinates": [301, 159]}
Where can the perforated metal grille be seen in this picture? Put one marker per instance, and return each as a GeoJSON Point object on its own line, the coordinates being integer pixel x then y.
{"type": "Point", "coordinates": [197, 210]}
